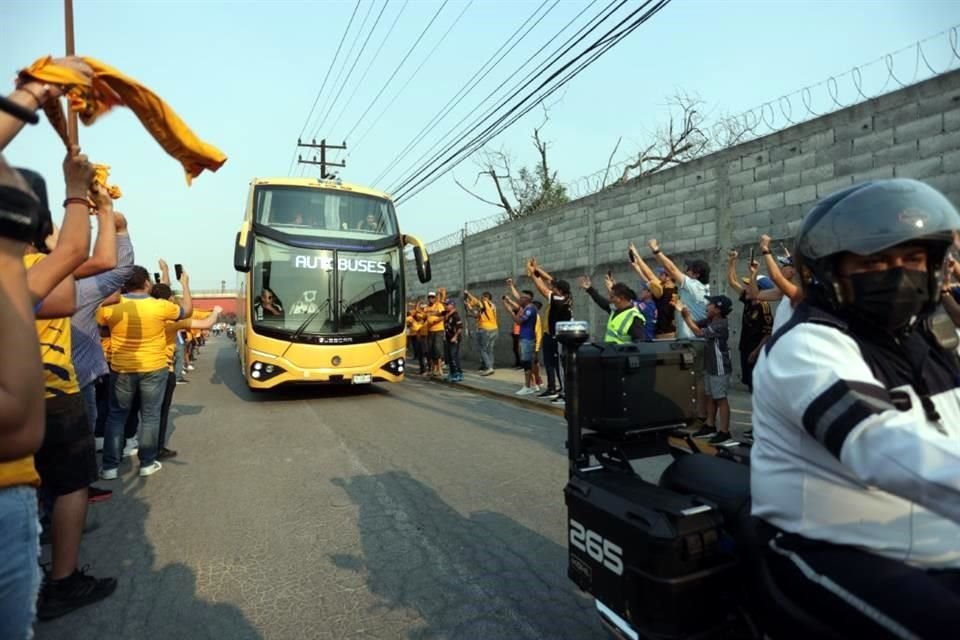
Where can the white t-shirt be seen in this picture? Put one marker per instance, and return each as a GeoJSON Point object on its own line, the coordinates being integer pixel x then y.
{"type": "Point", "coordinates": [693, 294]}
{"type": "Point", "coordinates": [783, 313]}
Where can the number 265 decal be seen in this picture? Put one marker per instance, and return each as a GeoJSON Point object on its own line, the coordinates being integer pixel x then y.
{"type": "Point", "coordinates": [594, 545]}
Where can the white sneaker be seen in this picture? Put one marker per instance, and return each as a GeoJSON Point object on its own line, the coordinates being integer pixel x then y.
{"type": "Point", "coordinates": [190, 367]}
{"type": "Point", "coordinates": [150, 469]}
{"type": "Point", "coordinates": [131, 448]}
{"type": "Point", "coordinates": [525, 391]}
{"type": "Point", "coordinates": [108, 474]}
{"type": "Point", "coordinates": [99, 442]}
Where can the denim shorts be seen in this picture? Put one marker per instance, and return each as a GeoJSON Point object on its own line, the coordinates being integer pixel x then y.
{"type": "Point", "coordinates": [19, 567]}
{"type": "Point", "coordinates": [527, 348]}
{"type": "Point", "coordinates": [67, 459]}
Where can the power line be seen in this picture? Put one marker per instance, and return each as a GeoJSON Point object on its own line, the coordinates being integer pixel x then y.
{"type": "Point", "coordinates": [376, 55]}
{"type": "Point", "coordinates": [468, 87]}
{"type": "Point", "coordinates": [415, 72]}
{"type": "Point", "coordinates": [606, 42]}
{"type": "Point", "coordinates": [611, 43]}
{"type": "Point", "coordinates": [346, 59]}
{"type": "Point", "coordinates": [519, 87]}
{"type": "Point", "coordinates": [324, 83]}
{"type": "Point", "coordinates": [397, 70]}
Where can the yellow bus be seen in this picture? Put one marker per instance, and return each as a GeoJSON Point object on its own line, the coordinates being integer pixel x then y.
{"type": "Point", "coordinates": [322, 297]}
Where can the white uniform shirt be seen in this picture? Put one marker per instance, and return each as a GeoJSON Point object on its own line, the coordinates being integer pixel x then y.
{"type": "Point", "coordinates": [835, 460]}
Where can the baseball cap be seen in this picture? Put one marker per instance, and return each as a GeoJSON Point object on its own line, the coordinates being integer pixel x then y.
{"type": "Point", "coordinates": [450, 302]}
{"type": "Point", "coordinates": [785, 261]}
{"type": "Point", "coordinates": [431, 294]}
{"type": "Point", "coordinates": [723, 303]}
{"type": "Point", "coordinates": [763, 282]}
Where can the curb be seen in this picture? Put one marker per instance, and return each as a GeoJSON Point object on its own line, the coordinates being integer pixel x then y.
{"type": "Point", "coordinates": [499, 395]}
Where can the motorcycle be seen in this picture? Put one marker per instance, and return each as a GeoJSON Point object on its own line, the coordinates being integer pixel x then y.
{"type": "Point", "coordinates": [678, 556]}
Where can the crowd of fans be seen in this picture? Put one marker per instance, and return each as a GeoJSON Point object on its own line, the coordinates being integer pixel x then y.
{"type": "Point", "coordinates": [97, 349]}
{"type": "Point", "coordinates": [668, 303]}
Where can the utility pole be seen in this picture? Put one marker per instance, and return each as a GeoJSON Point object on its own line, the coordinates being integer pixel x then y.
{"type": "Point", "coordinates": [323, 162]}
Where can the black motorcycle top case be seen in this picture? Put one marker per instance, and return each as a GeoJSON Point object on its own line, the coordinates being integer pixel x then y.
{"type": "Point", "coordinates": [650, 554]}
{"type": "Point", "coordinates": [623, 386]}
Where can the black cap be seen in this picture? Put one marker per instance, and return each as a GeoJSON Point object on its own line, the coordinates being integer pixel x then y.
{"type": "Point", "coordinates": [723, 303]}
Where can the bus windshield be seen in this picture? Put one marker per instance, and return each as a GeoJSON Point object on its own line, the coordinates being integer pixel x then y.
{"type": "Point", "coordinates": [324, 212]}
{"type": "Point", "coordinates": [321, 292]}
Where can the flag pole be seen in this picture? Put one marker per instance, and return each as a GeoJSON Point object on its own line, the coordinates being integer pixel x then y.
{"type": "Point", "coordinates": [72, 125]}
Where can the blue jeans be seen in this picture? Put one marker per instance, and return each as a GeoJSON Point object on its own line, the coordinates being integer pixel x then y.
{"type": "Point", "coordinates": [487, 340]}
{"type": "Point", "coordinates": [453, 358]}
{"type": "Point", "coordinates": [551, 362]}
{"type": "Point", "coordinates": [124, 386]}
{"type": "Point", "coordinates": [89, 393]}
{"type": "Point", "coordinates": [179, 360]}
{"type": "Point", "coordinates": [19, 568]}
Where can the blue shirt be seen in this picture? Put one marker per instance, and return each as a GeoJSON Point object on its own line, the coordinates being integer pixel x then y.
{"type": "Point", "coordinates": [87, 354]}
{"type": "Point", "coordinates": [649, 311]}
{"type": "Point", "coordinates": [528, 323]}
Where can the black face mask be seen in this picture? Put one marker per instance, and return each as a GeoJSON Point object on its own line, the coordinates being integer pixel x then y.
{"type": "Point", "coordinates": [889, 299]}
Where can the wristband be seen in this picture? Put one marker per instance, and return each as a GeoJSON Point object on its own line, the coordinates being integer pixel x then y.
{"type": "Point", "coordinates": [766, 252]}
{"type": "Point", "coordinates": [82, 201]}
{"type": "Point", "coordinates": [656, 251]}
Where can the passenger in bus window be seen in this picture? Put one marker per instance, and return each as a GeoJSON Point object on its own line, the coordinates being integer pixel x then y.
{"type": "Point", "coordinates": [268, 305]}
{"type": "Point", "coordinates": [371, 223]}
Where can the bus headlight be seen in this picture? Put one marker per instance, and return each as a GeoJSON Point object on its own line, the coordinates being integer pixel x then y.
{"type": "Point", "coordinates": [263, 372]}
{"type": "Point", "coordinates": [394, 367]}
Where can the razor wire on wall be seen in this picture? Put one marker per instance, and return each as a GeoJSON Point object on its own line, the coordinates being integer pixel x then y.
{"type": "Point", "coordinates": [924, 59]}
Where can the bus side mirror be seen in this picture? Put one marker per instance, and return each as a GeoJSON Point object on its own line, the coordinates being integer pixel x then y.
{"type": "Point", "coordinates": [423, 264]}
{"type": "Point", "coordinates": [420, 257]}
{"type": "Point", "coordinates": [242, 254]}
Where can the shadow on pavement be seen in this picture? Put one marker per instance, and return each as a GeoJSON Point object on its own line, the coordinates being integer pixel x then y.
{"type": "Point", "coordinates": [491, 414]}
{"type": "Point", "coordinates": [483, 575]}
{"type": "Point", "coordinates": [150, 601]}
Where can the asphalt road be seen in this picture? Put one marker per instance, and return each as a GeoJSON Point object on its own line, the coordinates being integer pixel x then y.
{"type": "Point", "coordinates": [404, 511]}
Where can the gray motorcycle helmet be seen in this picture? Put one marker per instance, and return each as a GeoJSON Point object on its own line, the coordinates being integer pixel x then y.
{"type": "Point", "coordinates": [867, 218]}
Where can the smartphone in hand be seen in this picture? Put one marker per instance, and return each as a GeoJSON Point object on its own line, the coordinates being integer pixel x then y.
{"type": "Point", "coordinates": [178, 270]}
{"type": "Point", "coordinates": [156, 277]}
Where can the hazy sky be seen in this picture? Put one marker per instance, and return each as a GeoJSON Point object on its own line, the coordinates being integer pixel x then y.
{"type": "Point", "coordinates": [244, 76]}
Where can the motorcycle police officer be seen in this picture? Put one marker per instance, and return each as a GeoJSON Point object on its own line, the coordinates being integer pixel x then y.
{"type": "Point", "coordinates": [856, 462]}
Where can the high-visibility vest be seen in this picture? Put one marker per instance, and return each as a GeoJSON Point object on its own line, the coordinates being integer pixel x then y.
{"type": "Point", "coordinates": [618, 326]}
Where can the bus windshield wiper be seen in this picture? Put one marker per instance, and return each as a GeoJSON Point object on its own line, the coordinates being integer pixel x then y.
{"type": "Point", "coordinates": [358, 315]}
{"type": "Point", "coordinates": [310, 318]}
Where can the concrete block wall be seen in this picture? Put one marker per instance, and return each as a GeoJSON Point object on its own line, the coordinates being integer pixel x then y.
{"type": "Point", "coordinates": [726, 200]}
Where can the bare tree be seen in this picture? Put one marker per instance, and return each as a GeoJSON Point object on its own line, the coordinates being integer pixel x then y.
{"type": "Point", "coordinates": [527, 190]}
{"type": "Point", "coordinates": [682, 140]}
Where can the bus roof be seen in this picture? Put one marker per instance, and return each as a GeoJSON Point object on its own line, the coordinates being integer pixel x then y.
{"type": "Point", "coordinates": [317, 183]}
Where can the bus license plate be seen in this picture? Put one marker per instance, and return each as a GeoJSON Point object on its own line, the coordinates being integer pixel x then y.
{"type": "Point", "coordinates": [362, 378]}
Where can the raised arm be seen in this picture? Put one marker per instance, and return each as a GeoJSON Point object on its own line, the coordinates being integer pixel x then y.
{"type": "Point", "coordinates": [104, 257]}
{"type": "Point", "coordinates": [672, 270]}
{"type": "Point", "coordinates": [687, 318]}
{"type": "Point", "coordinates": [31, 95]}
{"type": "Point", "coordinates": [587, 285]}
{"type": "Point", "coordinates": [732, 278]}
{"type": "Point", "coordinates": [164, 272]}
{"type": "Point", "coordinates": [645, 272]}
{"type": "Point", "coordinates": [186, 299]}
{"type": "Point", "coordinates": [73, 244]}
{"type": "Point", "coordinates": [512, 288]}
{"type": "Point", "coordinates": [207, 322]}
{"type": "Point", "coordinates": [789, 289]}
